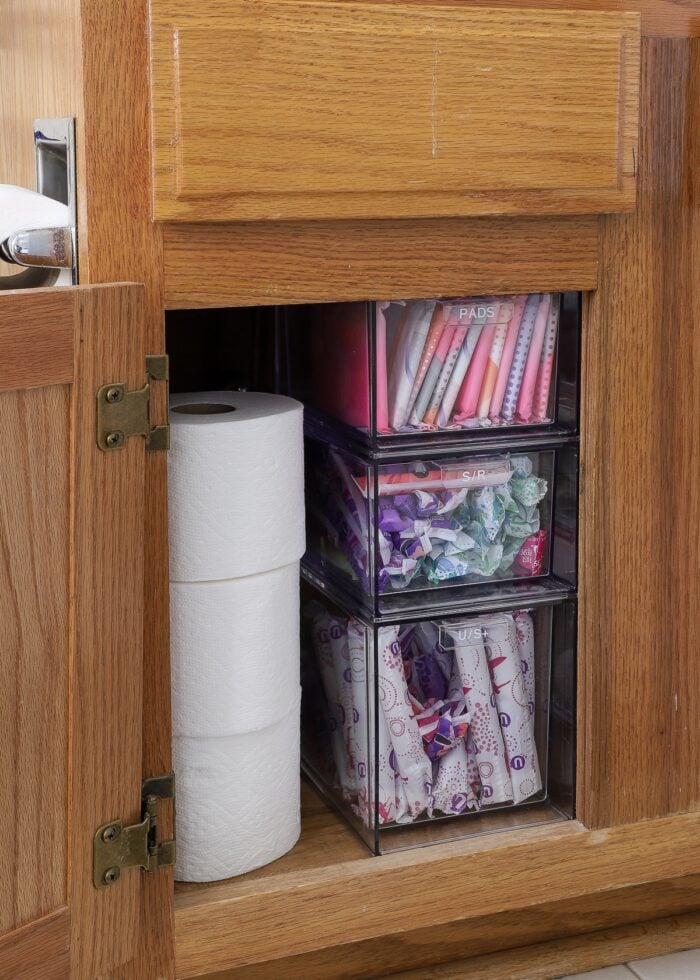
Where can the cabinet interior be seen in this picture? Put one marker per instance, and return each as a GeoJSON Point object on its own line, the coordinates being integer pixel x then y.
{"type": "Point", "coordinates": [265, 348]}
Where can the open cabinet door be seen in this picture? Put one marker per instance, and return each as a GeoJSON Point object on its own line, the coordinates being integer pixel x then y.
{"type": "Point", "coordinates": [73, 699]}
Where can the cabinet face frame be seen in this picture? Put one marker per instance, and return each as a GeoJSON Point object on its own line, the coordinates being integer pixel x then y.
{"type": "Point", "coordinates": [323, 109]}
{"type": "Point", "coordinates": [638, 695]}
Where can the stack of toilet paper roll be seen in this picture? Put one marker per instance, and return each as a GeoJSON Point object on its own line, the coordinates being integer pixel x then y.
{"type": "Point", "coordinates": [236, 499]}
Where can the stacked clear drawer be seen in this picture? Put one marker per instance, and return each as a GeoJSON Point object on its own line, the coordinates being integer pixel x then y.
{"type": "Point", "coordinates": [439, 608]}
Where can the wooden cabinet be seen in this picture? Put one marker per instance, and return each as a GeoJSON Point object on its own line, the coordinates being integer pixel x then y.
{"type": "Point", "coordinates": [281, 109]}
{"type": "Point", "coordinates": [83, 534]}
{"type": "Point", "coordinates": [72, 525]}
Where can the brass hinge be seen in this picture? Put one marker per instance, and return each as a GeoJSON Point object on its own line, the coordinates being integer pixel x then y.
{"type": "Point", "coordinates": [122, 413]}
{"type": "Point", "coordinates": [116, 847]}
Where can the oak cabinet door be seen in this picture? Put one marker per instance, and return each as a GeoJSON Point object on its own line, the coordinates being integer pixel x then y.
{"type": "Point", "coordinates": [334, 109]}
{"type": "Point", "coordinates": [72, 701]}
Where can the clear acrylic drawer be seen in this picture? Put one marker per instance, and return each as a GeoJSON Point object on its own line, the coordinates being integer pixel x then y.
{"type": "Point", "coordinates": [395, 533]}
{"type": "Point", "coordinates": [455, 368]}
{"type": "Point", "coordinates": [437, 727]}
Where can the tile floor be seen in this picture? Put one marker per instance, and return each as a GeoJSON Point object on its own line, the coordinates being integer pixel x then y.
{"type": "Point", "coordinates": [675, 966]}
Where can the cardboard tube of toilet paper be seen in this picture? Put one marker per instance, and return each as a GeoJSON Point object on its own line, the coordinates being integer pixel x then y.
{"type": "Point", "coordinates": [236, 484]}
{"type": "Point", "coordinates": [234, 648]}
{"type": "Point", "coordinates": [238, 799]}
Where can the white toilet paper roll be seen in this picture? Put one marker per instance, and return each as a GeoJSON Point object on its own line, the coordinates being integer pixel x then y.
{"type": "Point", "coordinates": [236, 484]}
{"type": "Point", "coordinates": [234, 652]}
{"type": "Point", "coordinates": [238, 800]}
{"type": "Point", "coordinates": [25, 210]}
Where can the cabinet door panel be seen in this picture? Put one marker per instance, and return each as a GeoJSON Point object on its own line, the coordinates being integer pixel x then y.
{"type": "Point", "coordinates": [72, 532]}
{"type": "Point", "coordinates": [327, 109]}
{"type": "Point", "coordinates": [34, 594]}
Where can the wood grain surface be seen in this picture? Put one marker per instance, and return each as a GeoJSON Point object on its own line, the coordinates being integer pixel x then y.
{"type": "Point", "coordinates": [38, 951]}
{"type": "Point", "coordinates": [542, 961]}
{"type": "Point", "coordinates": [71, 538]}
{"type": "Point", "coordinates": [258, 263]}
{"type": "Point", "coordinates": [639, 707]}
{"type": "Point", "coordinates": [123, 244]}
{"type": "Point", "coordinates": [89, 59]}
{"type": "Point", "coordinates": [684, 571]}
{"type": "Point", "coordinates": [325, 840]}
{"type": "Point", "coordinates": [351, 109]}
{"type": "Point", "coordinates": [34, 659]}
{"type": "Point", "coordinates": [36, 338]}
{"type": "Point", "coordinates": [108, 530]}
{"type": "Point", "coordinates": [243, 921]}
{"type": "Point", "coordinates": [660, 18]}
{"type": "Point", "coordinates": [580, 949]}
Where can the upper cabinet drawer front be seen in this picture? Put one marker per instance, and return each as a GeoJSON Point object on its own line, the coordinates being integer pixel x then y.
{"type": "Point", "coordinates": [280, 109]}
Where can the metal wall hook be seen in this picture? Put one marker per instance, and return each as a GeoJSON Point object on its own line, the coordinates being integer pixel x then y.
{"type": "Point", "coordinates": [45, 248]}
{"type": "Point", "coordinates": [46, 251]}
